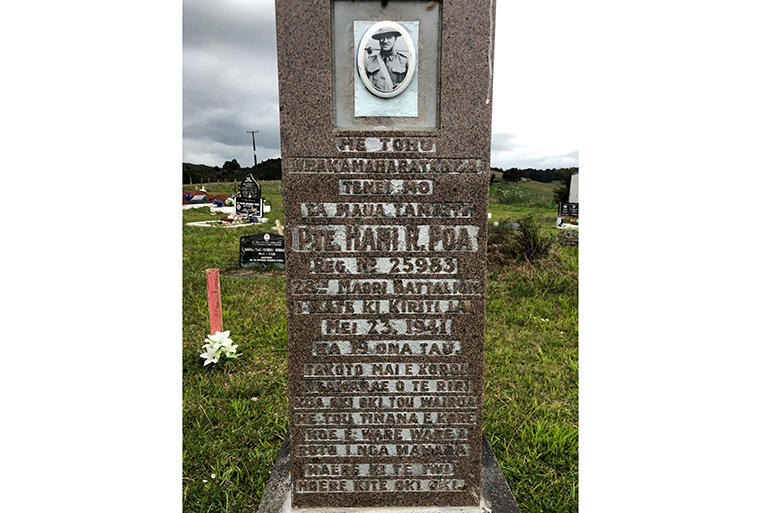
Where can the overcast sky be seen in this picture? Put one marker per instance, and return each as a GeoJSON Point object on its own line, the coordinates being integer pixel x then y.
{"type": "Point", "coordinates": [231, 84]}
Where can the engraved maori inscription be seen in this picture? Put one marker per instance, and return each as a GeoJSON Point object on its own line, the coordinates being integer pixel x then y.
{"type": "Point", "coordinates": [387, 210]}
{"type": "Point", "coordinates": [433, 418]}
{"type": "Point", "coordinates": [386, 386]}
{"type": "Point", "coordinates": [387, 449]}
{"type": "Point", "coordinates": [368, 434]}
{"type": "Point", "coordinates": [385, 187]}
{"type": "Point", "coordinates": [387, 348]}
{"type": "Point", "coordinates": [384, 166]}
{"type": "Point", "coordinates": [383, 306]}
{"type": "Point", "coordinates": [380, 485]}
{"type": "Point", "coordinates": [315, 370]}
{"type": "Point", "coordinates": [363, 470]}
{"type": "Point", "coordinates": [393, 402]}
{"type": "Point", "coordinates": [387, 144]}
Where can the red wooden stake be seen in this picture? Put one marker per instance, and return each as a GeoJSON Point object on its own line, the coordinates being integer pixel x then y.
{"type": "Point", "coordinates": [215, 300]}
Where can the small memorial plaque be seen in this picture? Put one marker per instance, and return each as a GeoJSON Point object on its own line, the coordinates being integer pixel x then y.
{"type": "Point", "coordinates": [263, 248]}
{"type": "Point", "coordinates": [568, 209]}
{"type": "Point", "coordinates": [249, 206]}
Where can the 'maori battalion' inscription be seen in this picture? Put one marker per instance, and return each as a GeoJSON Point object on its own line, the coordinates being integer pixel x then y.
{"type": "Point", "coordinates": [403, 287]}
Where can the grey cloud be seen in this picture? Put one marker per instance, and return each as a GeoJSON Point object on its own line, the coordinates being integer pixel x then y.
{"type": "Point", "coordinates": [507, 153]}
{"type": "Point", "coordinates": [504, 141]}
{"type": "Point", "coordinates": [230, 78]}
{"type": "Point", "coordinates": [230, 81]}
{"type": "Point", "coordinates": [536, 160]}
{"type": "Point", "coordinates": [244, 26]}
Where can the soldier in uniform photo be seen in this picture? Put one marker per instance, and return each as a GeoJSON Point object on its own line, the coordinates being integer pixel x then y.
{"type": "Point", "coordinates": [386, 68]}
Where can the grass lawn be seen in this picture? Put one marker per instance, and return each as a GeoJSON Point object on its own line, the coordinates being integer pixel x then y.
{"type": "Point", "coordinates": [236, 412]}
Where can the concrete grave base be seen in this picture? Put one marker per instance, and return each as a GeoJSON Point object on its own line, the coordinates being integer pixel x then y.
{"type": "Point", "coordinates": [496, 496]}
{"type": "Point", "coordinates": [196, 205]}
{"type": "Point", "coordinates": [217, 224]}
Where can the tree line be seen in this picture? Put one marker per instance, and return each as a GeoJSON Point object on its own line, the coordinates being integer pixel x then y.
{"type": "Point", "coordinates": [563, 175]}
{"type": "Point", "coordinates": [515, 174]}
{"type": "Point", "coordinates": [230, 171]}
{"type": "Point", "coordinates": [270, 169]}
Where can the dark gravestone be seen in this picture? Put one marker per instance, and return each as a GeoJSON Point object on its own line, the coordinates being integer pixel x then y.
{"type": "Point", "coordinates": [199, 198]}
{"type": "Point", "coordinates": [386, 181]}
{"type": "Point", "coordinates": [568, 209]}
{"type": "Point", "coordinates": [249, 188]}
{"type": "Point", "coordinates": [262, 248]}
{"type": "Point", "coordinates": [249, 198]}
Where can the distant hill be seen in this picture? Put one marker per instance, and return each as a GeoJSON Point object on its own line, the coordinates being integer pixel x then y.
{"type": "Point", "coordinates": [230, 171]}
{"type": "Point", "coordinates": [538, 175]}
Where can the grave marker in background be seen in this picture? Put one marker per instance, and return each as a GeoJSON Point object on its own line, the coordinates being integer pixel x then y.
{"type": "Point", "coordinates": [386, 230]}
{"type": "Point", "coordinates": [248, 200]}
{"type": "Point", "coordinates": [262, 248]}
{"type": "Point", "coordinates": [569, 209]}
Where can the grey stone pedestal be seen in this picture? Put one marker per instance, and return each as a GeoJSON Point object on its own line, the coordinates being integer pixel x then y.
{"type": "Point", "coordinates": [496, 496]}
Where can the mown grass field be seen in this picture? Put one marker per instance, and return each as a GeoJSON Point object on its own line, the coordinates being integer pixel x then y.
{"type": "Point", "coordinates": [236, 412]}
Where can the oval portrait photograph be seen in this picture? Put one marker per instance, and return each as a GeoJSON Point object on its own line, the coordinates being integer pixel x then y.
{"type": "Point", "coordinates": [386, 59]}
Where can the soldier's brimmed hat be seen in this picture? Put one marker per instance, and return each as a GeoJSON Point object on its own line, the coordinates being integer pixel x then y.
{"type": "Point", "coordinates": [385, 32]}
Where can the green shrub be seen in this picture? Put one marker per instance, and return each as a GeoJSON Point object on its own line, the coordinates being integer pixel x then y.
{"type": "Point", "coordinates": [528, 242]}
{"type": "Point", "coordinates": [510, 194]}
{"type": "Point", "coordinates": [521, 243]}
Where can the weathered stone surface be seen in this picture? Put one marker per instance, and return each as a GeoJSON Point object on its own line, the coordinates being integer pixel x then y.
{"type": "Point", "coordinates": [386, 266]}
{"type": "Point", "coordinates": [496, 496]}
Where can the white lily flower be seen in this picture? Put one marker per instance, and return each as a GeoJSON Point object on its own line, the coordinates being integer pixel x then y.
{"type": "Point", "coordinates": [220, 337]}
{"type": "Point", "coordinates": [217, 345]}
{"type": "Point", "coordinates": [211, 354]}
{"type": "Point", "coordinates": [229, 350]}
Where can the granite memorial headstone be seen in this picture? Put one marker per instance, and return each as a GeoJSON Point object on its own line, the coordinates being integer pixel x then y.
{"type": "Point", "coordinates": [385, 203]}
{"type": "Point", "coordinates": [248, 200]}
